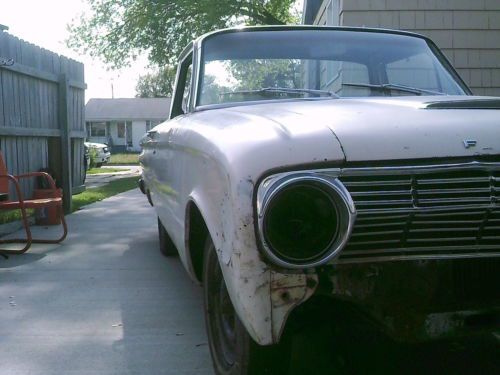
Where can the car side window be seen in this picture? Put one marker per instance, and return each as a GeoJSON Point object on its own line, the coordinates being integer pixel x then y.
{"type": "Point", "coordinates": [182, 94]}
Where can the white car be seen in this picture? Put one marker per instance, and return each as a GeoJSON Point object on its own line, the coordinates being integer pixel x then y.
{"type": "Point", "coordinates": [335, 190]}
{"type": "Point", "coordinates": [102, 153]}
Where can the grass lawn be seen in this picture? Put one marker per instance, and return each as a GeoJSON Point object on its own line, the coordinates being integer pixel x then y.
{"type": "Point", "coordinates": [13, 215]}
{"type": "Point", "coordinates": [127, 158]}
{"type": "Point", "coordinates": [98, 194]}
{"type": "Point", "coordinates": [79, 200]}
{"type": "Point", "coordinates": [105, 170]}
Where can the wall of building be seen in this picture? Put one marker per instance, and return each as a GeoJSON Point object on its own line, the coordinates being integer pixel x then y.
{"type": "Point", "coordinates": [113, 132]}
{"type": "Point", "coordinates": [138, 128]}
{"type": "Point", "coordinates": [467, 31]}
{"type": "Point", "coordinates": [138, 131]}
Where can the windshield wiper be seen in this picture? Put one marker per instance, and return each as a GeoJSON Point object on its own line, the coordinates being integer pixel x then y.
{"type": "Point", "coordinates": [283, 90]}
{"type": "Point", "coordinates": [394, 86]}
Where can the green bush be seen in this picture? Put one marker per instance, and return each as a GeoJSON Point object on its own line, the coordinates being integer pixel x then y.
{"type": "Point", "coordinates": [92, 157]}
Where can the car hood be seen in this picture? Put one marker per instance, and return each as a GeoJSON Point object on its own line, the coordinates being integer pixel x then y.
{"type": "Point", "coordinates": [397, 128]}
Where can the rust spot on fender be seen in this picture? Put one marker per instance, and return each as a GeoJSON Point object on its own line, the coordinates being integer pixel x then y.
{"type": "Point", "coordinates": [287, 292]}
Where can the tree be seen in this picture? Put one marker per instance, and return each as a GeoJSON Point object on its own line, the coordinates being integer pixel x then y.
{"type": "Point", "coordinates": [158, 84]}
{"type": "Point", "coordinates": [117, 31]}
{"type": "Point", "coordinates": [260, 73]}
{"type": "Point", "coordinates": [211, 90]}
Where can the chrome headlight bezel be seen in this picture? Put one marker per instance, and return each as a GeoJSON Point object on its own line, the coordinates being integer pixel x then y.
{"type": "Point", "coordinates": [271, 187]}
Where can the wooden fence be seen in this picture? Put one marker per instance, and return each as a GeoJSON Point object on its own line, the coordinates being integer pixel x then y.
{"type": "Point", "coordinates": [42, 110]}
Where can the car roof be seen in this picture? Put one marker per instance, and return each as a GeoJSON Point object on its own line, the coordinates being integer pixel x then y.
{"type": "Point", "coordinates": [306, 27]}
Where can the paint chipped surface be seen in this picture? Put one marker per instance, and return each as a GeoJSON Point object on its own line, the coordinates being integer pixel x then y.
{"type": "Point", "coordinates": [287, 292]}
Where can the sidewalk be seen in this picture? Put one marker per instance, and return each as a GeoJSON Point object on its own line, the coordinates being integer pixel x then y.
{"type": "Point", "coordinates": [100, 179]}
{"type": "Point", "coordinates": [105, 301]}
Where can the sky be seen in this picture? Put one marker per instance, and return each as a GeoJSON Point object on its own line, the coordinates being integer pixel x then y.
{"type": "Point", "coordinates": [43, 22]}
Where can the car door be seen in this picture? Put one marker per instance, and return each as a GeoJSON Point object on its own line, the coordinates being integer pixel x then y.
{"type": "Point", "coordinates": [169, 159]}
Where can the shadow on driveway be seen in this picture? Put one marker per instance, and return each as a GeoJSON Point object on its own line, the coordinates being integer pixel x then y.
{"type": "Point", "coordinates": [103, 302]}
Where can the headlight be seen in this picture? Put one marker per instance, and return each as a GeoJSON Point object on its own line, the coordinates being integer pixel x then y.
{"type": "Point", "coordinates": [304, 220]}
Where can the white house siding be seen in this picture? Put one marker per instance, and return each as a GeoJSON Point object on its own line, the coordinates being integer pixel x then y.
{"type": "Point", "coordinates": [135, 113]}
{"type": "Point", "coordinates": [137, 127]}
{"type": "Point", "coordinates": [467, 31]}
{"type": "Point", "coordinates": [113, 129]}
{"type": "Point", "coordinates": [138, 131]}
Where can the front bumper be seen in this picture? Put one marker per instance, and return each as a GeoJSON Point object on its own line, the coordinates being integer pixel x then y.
{"type": "Point", "coordinates": [414, 301]}
{"type": "Point", "coordinates": [103, 158]}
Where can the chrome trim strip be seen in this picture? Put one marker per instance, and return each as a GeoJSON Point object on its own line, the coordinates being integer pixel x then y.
{"type": "Point", "coordinates": [428, 209]}
{"type": "Point", "coordinates": [308, 27]}
{"type": "Point", "coordinates": [415, 257]}
{"type": "Point", "coordinates": [457, 249]}
{"type": "Point", "coordinates": [370, 171]}
{"type": "Point", "coordinates": [195, 79]}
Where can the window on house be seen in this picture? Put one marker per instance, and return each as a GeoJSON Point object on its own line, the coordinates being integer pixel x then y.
{"type": "Point", "coordinates": [120, 127]}
{"type": "Point", "coordinates": [96, 129]}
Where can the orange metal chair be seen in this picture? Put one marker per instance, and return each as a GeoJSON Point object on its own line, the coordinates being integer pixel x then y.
{"type": "Point", "coordinates": [54, 200]}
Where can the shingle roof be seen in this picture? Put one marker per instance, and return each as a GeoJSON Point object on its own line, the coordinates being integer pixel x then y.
{"type": "Point", "coordinates": [127, 109]}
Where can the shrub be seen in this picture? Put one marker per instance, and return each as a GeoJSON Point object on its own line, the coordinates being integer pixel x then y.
{"type": "Point", "coordinates": [92, 156]}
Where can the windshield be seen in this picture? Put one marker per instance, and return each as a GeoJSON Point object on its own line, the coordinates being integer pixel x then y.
{"type": "Point", "coordinates": [318, 64]}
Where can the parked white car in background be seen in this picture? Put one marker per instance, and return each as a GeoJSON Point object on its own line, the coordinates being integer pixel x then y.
{"type": "Point", "coordinates": [335, 190]}
{"type": "Point", "coordinates": [102, 153]}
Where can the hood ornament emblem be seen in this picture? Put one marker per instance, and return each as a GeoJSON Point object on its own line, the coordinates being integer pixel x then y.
{"type": "Point", "coordinates": [468, 143]}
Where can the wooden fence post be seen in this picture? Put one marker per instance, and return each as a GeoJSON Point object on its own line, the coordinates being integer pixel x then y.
{"type": "Point", "coordinates": [64, 126]}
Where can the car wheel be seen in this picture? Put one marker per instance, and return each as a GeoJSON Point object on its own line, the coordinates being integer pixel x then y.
{"type": "Point", "coordinates": [167, 247]}
{"type": "Point", "coordinates": [98, 165]}
{"type": "Point", "coordinates": [233, 350]}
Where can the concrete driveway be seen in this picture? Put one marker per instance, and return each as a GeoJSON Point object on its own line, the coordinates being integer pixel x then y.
{"type": "Point", "coordinates": [103, 302]}
{"type": "Point", "coordinates": [100, 179]}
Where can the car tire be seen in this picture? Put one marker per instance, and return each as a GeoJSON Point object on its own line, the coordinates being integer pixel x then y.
{"type": "Point", "coordinates": [167, 247]}
{"type": "Point", "coordinates": [233, 350]}
{"type": "Point", "coordinates": [98, 165]}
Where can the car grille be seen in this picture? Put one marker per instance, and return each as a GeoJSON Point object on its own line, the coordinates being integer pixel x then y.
{"type": "Point", "coordinates": [424, 211]}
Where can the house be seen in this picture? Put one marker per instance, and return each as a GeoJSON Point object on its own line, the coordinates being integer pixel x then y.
{"type": "Point", "coordinates": [467, 31]}
{"type": "Point", "coordinates": [121, 123]}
